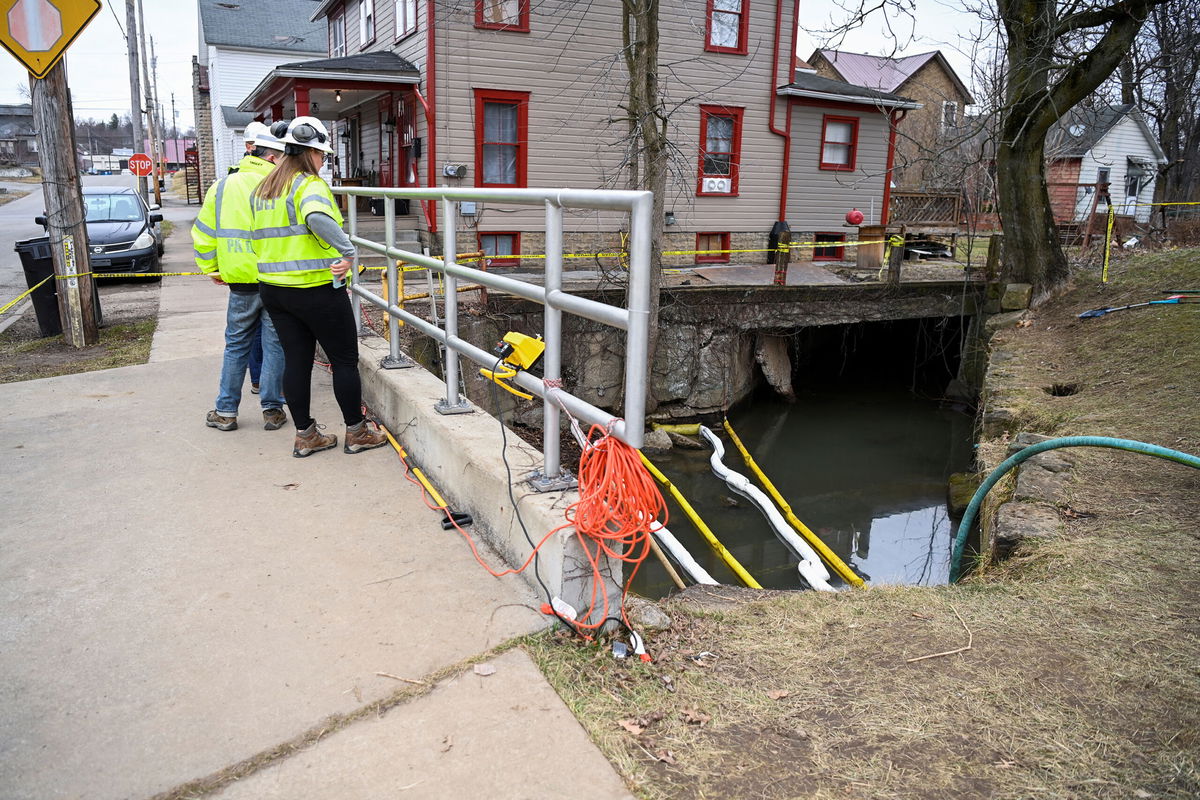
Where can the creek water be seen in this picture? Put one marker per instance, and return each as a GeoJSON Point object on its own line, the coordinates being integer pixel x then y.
{"type": "Point", "coordinates": [866, 471]}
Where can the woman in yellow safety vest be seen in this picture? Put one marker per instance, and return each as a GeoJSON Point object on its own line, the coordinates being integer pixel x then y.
{"type": "Point", "coordinates": [302, 252]}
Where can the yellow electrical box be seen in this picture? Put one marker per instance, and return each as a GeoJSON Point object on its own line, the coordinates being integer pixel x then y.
{"type": "Point", "coordinates": [519, 352]}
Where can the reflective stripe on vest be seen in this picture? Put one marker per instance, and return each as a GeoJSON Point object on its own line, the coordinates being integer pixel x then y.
{"type": "Point", "coordinates": [234, 254]}
{"type": "Point", "coordinates": [289, 254]}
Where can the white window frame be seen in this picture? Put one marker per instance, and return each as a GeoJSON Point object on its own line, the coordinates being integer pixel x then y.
{"type": "Point", "coordinates": [366, 10]}
{"type": "Point", "coordinates": [337, 25]}
{"type": "Point", "coordinates": [947, 105]}
{"type": "Point", "coordinates": [406, 17]}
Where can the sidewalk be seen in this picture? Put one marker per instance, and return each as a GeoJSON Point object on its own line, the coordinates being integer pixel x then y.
{"type": "Point", "coordinates": [178, 600]}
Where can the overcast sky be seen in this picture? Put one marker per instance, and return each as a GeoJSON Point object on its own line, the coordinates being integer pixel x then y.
{"type": "Point", "coordinates": [98, 71]}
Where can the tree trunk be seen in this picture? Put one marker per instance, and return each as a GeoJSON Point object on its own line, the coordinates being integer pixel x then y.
{"type": "Point", "coordinates": [648, 145]}
{"type": "Point", "coordinates": [1029, 230]}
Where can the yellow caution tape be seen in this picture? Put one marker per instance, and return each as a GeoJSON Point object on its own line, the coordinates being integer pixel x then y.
{"type": "Point", "coordinates": [830, 557]}
{"type": "Point", "coordinates": [705, 531]}
{"type": "Point", "coordinates": [23, 295]}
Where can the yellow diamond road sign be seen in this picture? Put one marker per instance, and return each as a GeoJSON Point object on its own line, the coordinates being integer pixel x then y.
{"type": "Point", "coordinates": [38, 32]}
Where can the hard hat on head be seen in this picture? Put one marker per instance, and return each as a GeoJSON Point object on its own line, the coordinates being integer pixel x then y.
{"type": "Point", "coordinates": [268, 139]}
{"type": "Point", "coordinates": [308, 132]}
{"type": "Point", "coordinates": [253, 129]}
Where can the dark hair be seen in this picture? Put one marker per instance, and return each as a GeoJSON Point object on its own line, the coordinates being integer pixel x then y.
{"type": "Point", "coordinates": [261, 152]}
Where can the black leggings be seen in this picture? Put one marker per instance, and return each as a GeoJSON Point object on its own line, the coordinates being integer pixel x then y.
{"type": "Point", "coordinates": [303, 317]}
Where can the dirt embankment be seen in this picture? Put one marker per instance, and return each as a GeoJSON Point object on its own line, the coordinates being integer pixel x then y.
{"type": "Point", "coordinates": [1077, 664]}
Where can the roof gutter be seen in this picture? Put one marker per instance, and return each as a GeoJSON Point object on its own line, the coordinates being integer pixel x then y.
{"type": "Point", "coordinates": [265, 83]}
{"type": "Point", "coordinates": [876, 102]}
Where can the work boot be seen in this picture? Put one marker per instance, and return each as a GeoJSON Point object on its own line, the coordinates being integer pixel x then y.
{"type": "Point", "coordinates": [311, 440]}
{"type": "Point", "coordinates": [361, 437]}
{"type": "Point", "coordinates": [220, 422]}
{"type": "Point", "coordinates": [254, 389]}
{"type": "Point", "coordinates": [274, 419]}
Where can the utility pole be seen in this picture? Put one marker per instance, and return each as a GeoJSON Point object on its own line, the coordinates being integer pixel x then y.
{"type": "Point", "coordinates": [135, 91]}
{"type": "Point", "coordinates": [174, 121]}
{"type": "Point", "coordinates": [64, 205]}
{"type": "Point", "coordinates": [152, 115]}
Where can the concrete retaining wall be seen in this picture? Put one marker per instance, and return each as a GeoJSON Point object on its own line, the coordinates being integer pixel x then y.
{"type": "Point", "coordinates": [461, 456]}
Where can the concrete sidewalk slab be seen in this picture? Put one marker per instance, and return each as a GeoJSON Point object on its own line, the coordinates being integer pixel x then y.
{"type": "Point", "coordinates": [506, 735]}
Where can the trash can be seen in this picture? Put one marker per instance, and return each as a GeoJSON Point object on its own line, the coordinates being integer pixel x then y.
{"type": "Point", "coordinates": [39, 265]}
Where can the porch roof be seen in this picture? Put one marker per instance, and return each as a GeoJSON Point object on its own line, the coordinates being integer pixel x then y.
{"type": "Point", "coordinates": [379, 69]}
{"type": "Point", "coordinates": [816, 87]}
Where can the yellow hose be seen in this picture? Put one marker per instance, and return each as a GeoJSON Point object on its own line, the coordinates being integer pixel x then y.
{"type": "Point", "coordinates": [831, 558]}
{"type": "Point", "coordinates": [433, 493]}
{"type": "Point", "coordinates": [705, 531]}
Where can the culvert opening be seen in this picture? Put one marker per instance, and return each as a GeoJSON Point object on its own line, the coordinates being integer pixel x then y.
{"type": "Point", "coordinates": [1062, 389]}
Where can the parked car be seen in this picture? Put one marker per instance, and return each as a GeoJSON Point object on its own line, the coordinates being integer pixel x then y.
{"type": "Point", "coordinates": [123, 230]}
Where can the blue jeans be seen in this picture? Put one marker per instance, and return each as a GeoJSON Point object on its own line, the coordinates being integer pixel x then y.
{"type": "Point", "coordinates": [243, 317]}
{"type": "Point", "coordinates": [256, 355]}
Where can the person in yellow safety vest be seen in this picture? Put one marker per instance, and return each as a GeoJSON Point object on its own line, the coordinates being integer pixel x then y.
{"type": "Point", "coordinates": [254, 129]}
{"type": "Point", "coordinates": [223, 250]}
{"type": "Point", "coordinates": [302, 265]}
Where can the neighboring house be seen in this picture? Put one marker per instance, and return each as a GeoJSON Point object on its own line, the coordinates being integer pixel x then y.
{"type": "Point", "coordinates": [18, 137]}
{"type": "Point", "coordinates": [511, 93]}
{"type": "Point", "coordinates": [240, 42]}
{"type": "Point", "coordinates": [1094, 146]}
{"type": "Point", "coordinates": [928, 137]}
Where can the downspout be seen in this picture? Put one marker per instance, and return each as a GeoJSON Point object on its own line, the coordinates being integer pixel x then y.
{"type": "Point", "coordinates": [786, 133]}
{"type": "Point", "coordinates": [430, 111]}
{"type": "Point", "coordinates": [894, 119]}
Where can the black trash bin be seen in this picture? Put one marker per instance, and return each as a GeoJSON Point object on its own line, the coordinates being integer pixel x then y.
{"type": "Point", "coordinates": [39, 265]}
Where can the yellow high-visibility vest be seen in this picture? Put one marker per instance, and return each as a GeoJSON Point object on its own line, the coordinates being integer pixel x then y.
{"type": "Point", "coordinates": [221, 240]}
{"type": "Point", "coordinates": [288, 253]}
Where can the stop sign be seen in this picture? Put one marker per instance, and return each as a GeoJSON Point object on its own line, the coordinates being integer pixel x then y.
{"type": "Point", "coordinates": [140, 165]}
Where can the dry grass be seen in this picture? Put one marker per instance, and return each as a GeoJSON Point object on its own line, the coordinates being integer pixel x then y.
{"type": "Point", "coordinates": [1082, 679]}
{"type": "Point", "coordinates": [25, 357]}
{"type": "Point", "coordinates": [9, 196]}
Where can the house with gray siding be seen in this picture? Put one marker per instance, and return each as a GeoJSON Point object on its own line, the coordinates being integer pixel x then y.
{"type": "Point", "coordinates": [516, 93]}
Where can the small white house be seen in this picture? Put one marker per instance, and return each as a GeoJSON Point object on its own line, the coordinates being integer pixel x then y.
{"type": "Point", "coordinates": [239, 44]}
{"type": "Point", "coordinates": [1110, 145]}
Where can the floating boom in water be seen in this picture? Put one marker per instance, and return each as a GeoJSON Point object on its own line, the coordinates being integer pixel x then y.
{"type": "Point", "coordinates": [810, 567]}
{"type": "Point", "coordinates": [680, 555]}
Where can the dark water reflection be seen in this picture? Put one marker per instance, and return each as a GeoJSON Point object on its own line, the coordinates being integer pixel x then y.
{"type": "Point", "coordinates": [865, 469]}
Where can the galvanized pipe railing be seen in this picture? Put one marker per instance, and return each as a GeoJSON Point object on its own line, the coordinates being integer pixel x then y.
{"type": "Point", "coordinates": [634, 320]}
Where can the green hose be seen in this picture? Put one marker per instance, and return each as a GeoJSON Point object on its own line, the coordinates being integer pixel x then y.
{"type": "Point", "coordinates": [968, 519]}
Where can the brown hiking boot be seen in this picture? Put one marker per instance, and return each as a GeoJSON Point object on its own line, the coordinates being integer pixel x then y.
{"type": "Point", "coordinates": [220, 422]}
{"type": "Point", "coordinates": [311, 440]}
{"type": "Point", "coordinates": [362, 437]}
{"type": "Point", "coordinates": [274, 419]}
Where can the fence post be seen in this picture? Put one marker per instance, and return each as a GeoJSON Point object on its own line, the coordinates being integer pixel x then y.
{"type": "Point", "coordinates": [895, 259]}
{"type": "Point", "coordinates": [783, 255]}
{"type": "Point", "coordinates": [394, 359]}
{"type": "Point", "coordinates": [453, 402]}
{"type": "Point", "coordinates": [352, 224]}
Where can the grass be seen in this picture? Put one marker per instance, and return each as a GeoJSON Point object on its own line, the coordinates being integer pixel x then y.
{"type": "Point", "coordinates": [1082, 676]}
{"type": "Point", "coordinates": [23, 358]}
{"type": "Point", "coordinates": [9, 196]}
{"type": "Point", "coordinates": [167, 227]}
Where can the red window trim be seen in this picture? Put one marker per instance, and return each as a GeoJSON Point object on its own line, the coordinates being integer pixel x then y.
{"type": "Point", "coordinates": [825, 120]}
{"type": "Point", "coordinates": [501, 261]}
{"type": "Point", "coordinates": [735, 156]}
{"type": "Point", "coordinates": [521, 100]}
{"type": "Point", "coordinates": [522, 25]}
{"type": "Point", "coordinates": [743, 30]}
{"type": "Point", "coordinates": [839, 252]}
{"type": "Point", "coordinates": [713, 258]}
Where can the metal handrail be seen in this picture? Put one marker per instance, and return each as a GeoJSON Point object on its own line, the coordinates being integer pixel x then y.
{"type": "Point", "coordinates": [634, 319]}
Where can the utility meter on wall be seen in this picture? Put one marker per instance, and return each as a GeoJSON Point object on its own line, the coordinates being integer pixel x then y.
{"type": "Point", "coordinates": [454, 170]}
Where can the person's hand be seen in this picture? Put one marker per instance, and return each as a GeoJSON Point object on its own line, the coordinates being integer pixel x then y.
{"type": "Point", "coordinates": [340, 268]}
{"type": "Point", "coordinates": [216, 278]}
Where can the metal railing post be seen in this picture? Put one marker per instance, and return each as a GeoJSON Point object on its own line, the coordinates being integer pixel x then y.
{"type": "Point", "coordinates": [352, 224]}
{"type": "Point", "coordinates": [637, 343]}
{"type": "Point", "coordinates": [552, 477]}
{"type": "Point", "coordinates": [453, 402]}
{"type": "Point", "coordinates": [395, 359]}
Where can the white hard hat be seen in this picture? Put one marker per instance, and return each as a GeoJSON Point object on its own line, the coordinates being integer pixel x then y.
{"type": "Point", "coordinates": [253, 129]}
{"type": "Point", "coordinates": [308, 132]}
{"type": "Point", "coordinates": [266, 139]}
